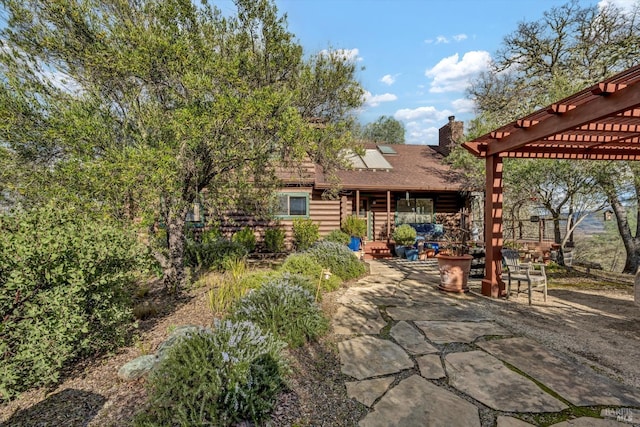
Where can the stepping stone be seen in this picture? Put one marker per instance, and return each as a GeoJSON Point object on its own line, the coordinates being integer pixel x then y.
{"type": "Point", "coordinates": [573, 381]}
{"type": "Point", "coordinates": [431, 367]}
{"type": "Point", "coordinates": [358, 319]}
{"type": "Point", "coordinates": [367, 391]}
{"type": "Point", "coordinates": [489, 381]}
{"type": "Point", "coordinates": [417, 402]}
{"type": "Point", "coordinates": [411, 339]}
{"type": "Point", "coordinates": [442, 332]}
{"type": "Point", "coordinates": [590, 422]}
{"type": "Point", "coordinates": [511, 422]}
{"type": "Point", "coordinates": [420, 292]}
{"type": "Point", "coordinates": [434, 311]}
{"type": "Point", "coordinates": [367, 356]}
{"type": "Point", "coordinates": [360, 294]}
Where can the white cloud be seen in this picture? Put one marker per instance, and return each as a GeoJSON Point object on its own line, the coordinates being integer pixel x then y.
{"type": "Point", "coordinates": [453, 75]}
{"type": "Point", "coordinates": [388, 79]}
{"type": "Point", "coordinates": [463, 105]}
{"type": "Point", "coordinates": [626, 5]}
{"type": "Point", "coordinates": [371, 100]}
{"type": "Point", "coordinates": [348, 54]}
{"type": "Point", "coordinates": [444, 39]}
{"type": "Point", "coordinates": [422, 124]}
{"type": "Point", "coordinates": [417, 134]}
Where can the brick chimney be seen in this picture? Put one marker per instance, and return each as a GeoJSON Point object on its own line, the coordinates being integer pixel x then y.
{"type": "Point", "coordinates": [450, 135]}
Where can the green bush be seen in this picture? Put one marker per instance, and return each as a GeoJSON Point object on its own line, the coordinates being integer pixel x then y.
{"type": "Point", "coordinates": [274, 240]}
{"type": "Point", "coordinates": [305, 233]}
{"type": "Point", "coordinates": [337, 258]}
{"type": "Point", "coordinates": [246, 238]}
{"type": "Point", "coordinates": [354, 226]}
{"type": "Point", "coordinates": [64, 292]}
{"type": "Point", "coordinates": [302, 263]}
{"type": "Point", "coordinates": [218, 378]}
{"type": "Point", "coordinates": [286, 310]}
{"type": "Point", "coordinates": [338, 236]}
{"type": "Point", "coordinates": [404, 235]}
{"type": "Point", "coordinates": [212, 254]}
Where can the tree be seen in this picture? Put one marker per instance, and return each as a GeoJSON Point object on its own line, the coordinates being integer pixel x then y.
{"type": "Point", "coordinates": [569, 48]}
{"type": "Point", "coordinates": [385, 129]}
{"type": "Point", "coordinates": [165, 103]}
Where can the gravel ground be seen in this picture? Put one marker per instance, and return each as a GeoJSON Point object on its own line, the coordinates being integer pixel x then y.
{"type": "Point", "coordinates": [596, 324]}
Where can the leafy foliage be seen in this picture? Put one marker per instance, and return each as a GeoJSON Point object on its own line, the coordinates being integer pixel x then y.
{"type": "Point", "coordinates": [338, 258]}
{"type": "Point", "coordinates": [305, 233]}
{"type": "Point", "coordinates": [302, 263]}
{"type": "Point", "coordinates": [354, 226]}
{"type": "Point", "coordinates": [405, 235]}
{"type": "Point", "coordinates": [246, 238]}
{"type": "Point", "coordinates": [274, 240]}
{"type": "Point", "coordinates": [386, 130]}
{"type": "Point", "coordinates": [288, 311]}
{"type": "Point", "coordinates": [218, 105]}
{"type": "Point", "coordinates": [218, 378]}
{"type": "Point", "coordinates": [212, 254]}
{"type": "Point", "coordinates": [338, 236]}
{"type": "Point", "coordinates": [64, 280]}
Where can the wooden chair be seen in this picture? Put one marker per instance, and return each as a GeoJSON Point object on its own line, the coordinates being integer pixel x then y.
{"type": "Point", "coordinates": [531, 273]}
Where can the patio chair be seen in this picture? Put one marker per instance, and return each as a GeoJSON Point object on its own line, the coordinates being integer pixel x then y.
{"type": "Point", "coordinates": [531, 273]}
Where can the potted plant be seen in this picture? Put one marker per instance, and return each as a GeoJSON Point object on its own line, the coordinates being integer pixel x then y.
{"type": "Point", "coordinates": [356, 228]}
{"type": "Point", "coordinates": [404, 235]}
{"type": "Point", "coordinates": [454, 263]}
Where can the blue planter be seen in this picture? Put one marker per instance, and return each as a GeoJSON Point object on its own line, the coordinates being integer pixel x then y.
{"type": "Point", "coordinates": [354, 244]}
{"type": "Point", "coordinates": [400, 250]}
{"type": "Point", "coordinates": [411, 254]}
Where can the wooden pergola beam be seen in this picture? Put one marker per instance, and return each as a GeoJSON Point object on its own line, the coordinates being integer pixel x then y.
{"type": "Point", "coordinates": [604, 106]}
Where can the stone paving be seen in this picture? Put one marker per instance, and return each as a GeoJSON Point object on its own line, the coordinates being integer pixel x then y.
{"type": "Point", "coordinates": [421, 357]}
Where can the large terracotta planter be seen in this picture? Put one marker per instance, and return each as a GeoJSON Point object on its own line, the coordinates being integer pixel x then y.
{"type": "Point", "coordinates": [454, 272]}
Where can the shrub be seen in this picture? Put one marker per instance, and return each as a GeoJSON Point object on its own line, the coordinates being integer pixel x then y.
{"type": "Point", "coordinates": [302, 263]}
{"type": "Point", "coordinates": [212, 254]}
{"type": "Point", "coordinates": [404, 235]}
{"type": "Point", "coordinates": [305, 233]}
{"type": "Point", "coordinates": [337, 258]}
{"type": "Point", "coordinates": [64, 292]}
{"type": "Point", "coordinates": [274, 240]}
{"type": "Point", "coordinates": [338, 236]}
{"type": "Point", "coordinates": [218, 378]}
{"type": "Point", "coordinates": [246, 238]}
{"type": "Point", "coordinates": [354, 226]}
{"type": "Point", "coordinates": [288, 311]}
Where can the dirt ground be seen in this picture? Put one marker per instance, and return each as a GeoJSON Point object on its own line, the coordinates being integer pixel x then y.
{"type": "Point", "coordinates": [597, 324]}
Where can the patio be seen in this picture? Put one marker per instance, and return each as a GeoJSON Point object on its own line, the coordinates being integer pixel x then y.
{"type": "Point", "coordinates": [418, 355]}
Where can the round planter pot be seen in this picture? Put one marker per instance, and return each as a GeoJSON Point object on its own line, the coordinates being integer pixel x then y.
{"type": "Point", "coordinates": [454, 272]}
{"type": "Point", "coordinates": [411, 254]}
{"type": "Point", "coordinates": [400, 251]}
{"type": "Point", "coordinates": [354, 244]}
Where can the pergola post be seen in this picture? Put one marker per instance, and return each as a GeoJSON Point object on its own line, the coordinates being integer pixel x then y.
{"type": "Point", "coordinates": [492, 284]}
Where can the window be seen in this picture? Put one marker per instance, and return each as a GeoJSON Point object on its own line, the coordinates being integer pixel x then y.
{"type": "Point", "coordinates": [293, 204]}
{"type": "Point", "coordinates": [414, 211]}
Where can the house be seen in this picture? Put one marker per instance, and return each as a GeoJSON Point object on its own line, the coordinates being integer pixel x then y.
{"type": "Point", "coordinates": [389, 185]}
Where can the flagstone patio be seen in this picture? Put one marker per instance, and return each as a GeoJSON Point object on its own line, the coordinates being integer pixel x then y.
{"type": "Point", "coordinates": [421, 357]}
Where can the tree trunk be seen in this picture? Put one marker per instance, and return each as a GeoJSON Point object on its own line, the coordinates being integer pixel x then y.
{"type": "Point", "coordinates": [174, 214]}
{"type": "Point", "coordinates": [173, 272]}
{"type": "Point", "coordinates": [631, 243]}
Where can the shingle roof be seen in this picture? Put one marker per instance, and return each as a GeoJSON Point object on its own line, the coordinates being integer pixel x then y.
{"type": "Point", "coordinates": [415, 168]}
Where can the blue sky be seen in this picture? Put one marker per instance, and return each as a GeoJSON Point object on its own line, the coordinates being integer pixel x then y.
{"type": "Point", "coordinates": [418, 55]}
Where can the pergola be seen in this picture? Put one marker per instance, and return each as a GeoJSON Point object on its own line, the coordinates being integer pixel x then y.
{"type": "Point", "coordinates": [601, 122]}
